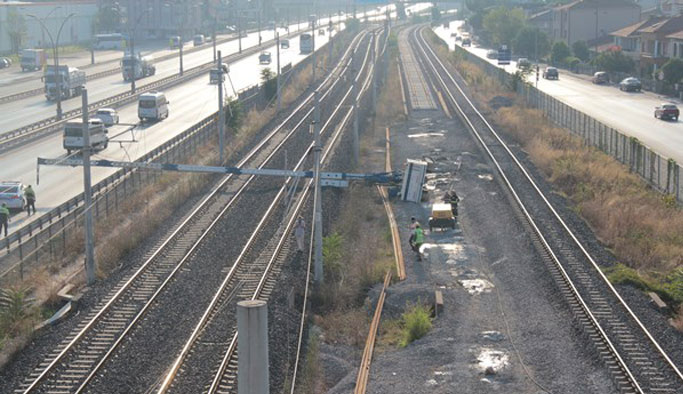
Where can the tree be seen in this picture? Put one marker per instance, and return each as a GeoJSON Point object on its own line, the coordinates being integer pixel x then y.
{"type": "Point", "coordinates": [531, 41]}
{"type": "Point", "coordinates": [269, 83]}
{"type": "Point", "coordinates": [504, 24]}
{"type": "Point", "coordinates": [673, 70]}
{"type": "Point", "coordinates": [614, 61]}
{"type": "Point", "coordinates": [560, 52]}
{"type": "Point", "coordinates": [16, 29]}
{"type": "Point", "coordinates": [581, 51]}
{"type": "Point", "coordinates": [108, 20]}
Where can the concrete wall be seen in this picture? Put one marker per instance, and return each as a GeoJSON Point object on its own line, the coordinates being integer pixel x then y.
{"type": "Point", "coordinates": [77, 30]}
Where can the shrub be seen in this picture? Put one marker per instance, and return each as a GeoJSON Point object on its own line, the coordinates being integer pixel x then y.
{"type": "Point", "coordinates": [581, 51]}
{"type": "Point", "coordinates": [559, 52]}
{"type": "Point", "coordinates": [614, 61]}
{"type": "Point", "coordinates": [572, 62]}
{"type": "Point", "coordinates": [416, 323]}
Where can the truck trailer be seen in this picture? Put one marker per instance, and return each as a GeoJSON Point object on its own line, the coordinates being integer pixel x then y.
{"type": "Point", "coordinates": [137, 67]}
{"type": "Point", "coordinates": [33, 59]}
{"type": "Point", "coordinates": [71, 85]}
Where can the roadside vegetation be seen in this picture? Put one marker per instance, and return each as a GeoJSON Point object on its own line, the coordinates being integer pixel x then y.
{"type": "Point", "coordinates": [23, 305]}
{"type": "Point", "coordinates": [414, 323]}
{"type": "Point", "coordinates": [643, 228]}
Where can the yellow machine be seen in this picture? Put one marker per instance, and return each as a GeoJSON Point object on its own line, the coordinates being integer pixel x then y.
{"type": "Point", "coordinates": [442, 217]}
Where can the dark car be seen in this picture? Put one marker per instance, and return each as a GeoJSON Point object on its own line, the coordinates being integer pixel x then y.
{"type": "Point", "coordinates": [667, 111]}
{"type": "Point", "coordinates": [600, 77]}
{"type": "Point", "coordinates": [551, 73]}
{"type": "Point", "coordinates": [466, 42]}
{"type": "Point", "coordinates": [630, 85]}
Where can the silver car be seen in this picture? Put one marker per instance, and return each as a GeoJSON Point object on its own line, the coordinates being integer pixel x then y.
{"type": "Point", "coordinates": [108, 116]}
{"type": "Point", "coordinates": [12, 194]}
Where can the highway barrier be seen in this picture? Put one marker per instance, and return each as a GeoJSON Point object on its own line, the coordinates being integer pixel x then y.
{"type": "Point", "coordinates": [660, 172]}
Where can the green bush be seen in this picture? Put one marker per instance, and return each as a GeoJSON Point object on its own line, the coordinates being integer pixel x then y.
{"type": "Point", "coordinates": [416, 323]}
{"type": "Point", "coordinates": [571, 62]}
{"type": "Point", "coordinates": [559, 52]}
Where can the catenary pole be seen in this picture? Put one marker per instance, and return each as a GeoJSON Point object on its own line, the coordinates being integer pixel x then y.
{"type": "Point", "coordinates": [221, 109]}
{"type": "Point", "coordinates": [318, 276]}
{"type": "Point", "coordinates": [89, 234]}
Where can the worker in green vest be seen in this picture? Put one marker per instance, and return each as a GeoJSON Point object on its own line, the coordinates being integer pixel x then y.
{"type": "Point", "coordinates": [417, 238]}
{"type": "Point", "coordinates": [4, 217]}
{"type": "Point", "coordinates": [30, 197]}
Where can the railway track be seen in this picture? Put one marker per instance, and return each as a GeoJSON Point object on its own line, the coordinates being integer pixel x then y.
{"type": "Point", "coordinates": [17, 137]}
{"type": "Point", "coordinates": [72, 366]}
{"type": "Point", "coordinates": [253, 281]}
{"type": "Point", "coordinates": [637, 363]}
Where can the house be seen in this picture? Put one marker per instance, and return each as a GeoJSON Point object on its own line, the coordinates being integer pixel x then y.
{"type": "Point", "coordinates": [676, 44]}
{"type": "Point", "coordinates": [543, 21]}
{"type": "Point", "coordinates": [586, 20]}
{"type": "Point", "coordinates": [672, 7]}
{"type": "Point", "coordinates": [628, 38]}
{"type": "Point", "coordinates": [655, 46]}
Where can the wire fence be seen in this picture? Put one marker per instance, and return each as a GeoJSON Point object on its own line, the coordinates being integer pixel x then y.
{"type": "Point", "coordinates": [660, 172]}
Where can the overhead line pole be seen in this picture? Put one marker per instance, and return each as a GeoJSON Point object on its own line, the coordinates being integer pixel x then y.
{"type": "Point", "coordinates": [318, 275]}
{"type": "Point", "coordinates": [87, 191]}
{"type": "Point", "coordinates": [221, 109]}
{"type": "Point", "coordinates": [279, 92]}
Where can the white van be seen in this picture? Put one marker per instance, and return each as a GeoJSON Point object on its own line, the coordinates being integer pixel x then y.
{"type": "Point", "coordinates": [73, 135]}
{"type": "Point", "coordinates": [152, 105]}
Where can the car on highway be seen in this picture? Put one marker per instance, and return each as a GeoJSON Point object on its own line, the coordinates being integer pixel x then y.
{"type": "Point", "coordinates": [284, 44]}
{"type": "Point", "coordinates": [667, 111]}
{"type": "Point", "coordinates": [491, 54]}
{"type": "Point", "coordinates": [600, 77]}
{"type": "Point", "coordinates": [458, 38]}
{"type": "Point", "coordinates": [630, 84]}
{"type": "Point", "coordinates": [152, 105]}
{"type": "Point", "coordinates": [321, 32]}
{"type": "Point", "coordinates": [551, 73]}
{"type": "Point", "coordinates": [466, 42]}
{"type": "Point", "coordinates": [12, 194]}
{"type": "Point", "coordinates": [264, 58]}
{"type": "Point", "coordinates": [523, 63]}
{"type": "Point", "coordinates": [108, 116]}
{"type": "Point", "coordinates": [5, 62]}
{"type": "Point", "coordinates": [454, 34]}
{"type": "Point", "coordinates": [198, 40]}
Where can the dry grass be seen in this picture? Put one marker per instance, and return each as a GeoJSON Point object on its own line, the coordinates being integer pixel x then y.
{"type": "Point", "coordinates": [642, 227]}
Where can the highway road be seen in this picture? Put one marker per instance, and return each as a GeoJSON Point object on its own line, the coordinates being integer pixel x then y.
{"type": "Point", "coordinates": [629, 112]}
{"type": "Point", "coordinates": [189, 103]}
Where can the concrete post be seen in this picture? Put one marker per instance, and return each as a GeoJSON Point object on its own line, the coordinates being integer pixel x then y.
{"type": "Point", "coordinates": [221, 110]}
{"type": "Point", "coordinates": [87, 191]}
{"type": "Point", "coordinates": [252, 329]}
{"type": "Point", "coordinates": [318, 276]}
{"type": "Point", "coordinates": [356, 137]}
{"type": "Point", "coordinates": [277, 49]}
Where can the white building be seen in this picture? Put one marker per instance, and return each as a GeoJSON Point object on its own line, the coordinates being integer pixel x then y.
{"type": "Point", "coordinates": [77, 29]}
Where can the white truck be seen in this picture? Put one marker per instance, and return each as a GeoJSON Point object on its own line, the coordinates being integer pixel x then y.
{"type": "Point", "coordinates": [72, 81]}
{"type": "Point", "coordinates": [73, 135]}
{"type": "Point", "coordinates": [33, 59]}
{"type": "Point", "coordinates": [137, 66]}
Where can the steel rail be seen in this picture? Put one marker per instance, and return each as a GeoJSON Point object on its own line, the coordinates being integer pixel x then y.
{"type": "Point", "coordinates": [175, 233]}
{"type": "Point", "coordinates": [555, 214]}
{"type": "Point", "coordinates": [201, 324]}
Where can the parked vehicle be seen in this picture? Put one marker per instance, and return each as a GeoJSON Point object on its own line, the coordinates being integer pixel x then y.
{"type": "Point", "coordinates": [5, 62]}
{"type": "Point", "coordinates": [491, 54]}
{"type": "Point", "coordinates": [667, 111]}
{"type": "Point", "coordinates": [214, 75]}
{"type": "Point", "coordinates": [198, 40]}
{"type": "Point", "coordinates": [466, 42]}
{"type": "Point", "coordinates": [152, 106]}
{"type": "Point", "coordinates": [284, 44]}
{"type": "Point", "coordinates": [110, 41]}
{"type": "Point", "coordinates": [264, 58]}
{"type": "Point", "coordinates": [108, 116]}
{"type": "Point", "coordinates": [442, 217]}
{"type": "Point", "coordinates": [12, 194]}
{"type": "Point", "coordinates": [600, 77]}
{"type": "Point", "coordinates": [33, 59]}
{"type": "Point", "coordinates": [73, 135]}
{"type": "Point", "coordinates": [504, 55]}
{"type": "Point", "coordinates": [137, 66]}
{"type": "Point", "coordinates": [72, 81]}
{"type": "Point", "coordinates": [454, 34]}
{"type": "Point", "coordinates": [551, 73]}
{"type": "Point", "coordinates": [174, 42]}
{"type": "Point", "coordinates": [458, 38]}
{"type": "Point", "coordinates": [630, 84]}
{"type": "Point", "coordinates": [523, 63]}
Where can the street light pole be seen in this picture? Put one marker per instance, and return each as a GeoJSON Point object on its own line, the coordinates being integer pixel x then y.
{"type": "Point", "coordinates": [277, 49]}
{"type": "Point", "coordinates": [55, 49]}
{"type": "Point", "coordinates": [313, 54]}
{"type": "Point", "coordinates": [132, 50]}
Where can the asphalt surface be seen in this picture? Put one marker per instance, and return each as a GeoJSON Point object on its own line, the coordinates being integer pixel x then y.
{"type": "Point", "coordinates": [630, 113]}
{"type": "Point", "coordinates": [189, 103]}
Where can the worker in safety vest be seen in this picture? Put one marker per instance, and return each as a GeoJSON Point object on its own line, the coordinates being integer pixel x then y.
{"type": "Point", "coordinates": [299, 232]}
{"type": "Point", "coordinates": [417, 239]}
{"type": "Point", "coordinates": [4, 217]}
{"type": "Point", "coordinates": [30, 197]}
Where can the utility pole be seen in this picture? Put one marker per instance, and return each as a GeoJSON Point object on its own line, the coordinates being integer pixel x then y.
{"type": "Point", "coordinates": [87, 191]}
{"type": "Point", "coordinates": [239, 32]}
{"type": "Point", "coordinates": [313, 54]}
{"type": "Point", "coordinates": [374, 71]}
{"type": "Point", "coordinates": [356, 137]}
{"type": "Point", "coordinates": [221, 110]}
{"type": "Point", "coordinates": [181, 51]}
{"type": "Point", "coordinates": [134, 60]}
{"type": "Point", "coordinates": [318, 276]}
{"type": "Point", "coordinates": [277, 51]}
{"type": "Point", "coordinates": [213, 39]}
